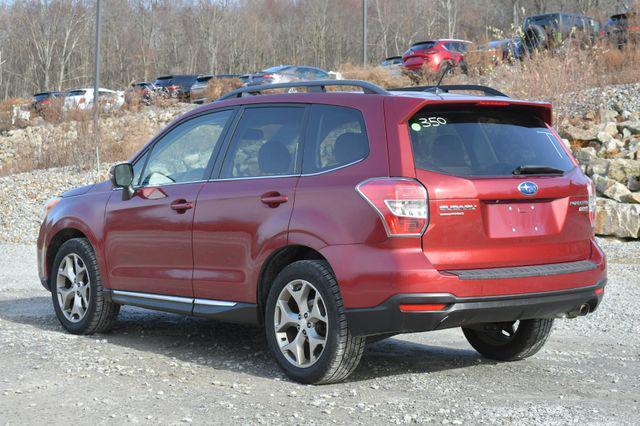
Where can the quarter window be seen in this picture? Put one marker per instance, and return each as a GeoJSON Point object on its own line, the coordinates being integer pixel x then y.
{"type": "Point", "coordinates": [337, 137]}
{"type": "Point", "coordinates": [183, 154]}
{"type": "Point", "coordinates": [265, 143]}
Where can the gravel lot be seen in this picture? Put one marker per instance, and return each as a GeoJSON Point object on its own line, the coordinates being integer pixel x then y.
{"type": "Point", "coordinates": [163, 368]}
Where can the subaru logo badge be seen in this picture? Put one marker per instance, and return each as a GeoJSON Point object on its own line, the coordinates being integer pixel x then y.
{"type": "Point", "coordinates": [528, 188]}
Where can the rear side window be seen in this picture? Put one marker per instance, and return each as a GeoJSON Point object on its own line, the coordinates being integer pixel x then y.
{"type": "Point", "coordinates": [483, 142]}
{"type": "Point", "coordinates": [337, 137]}
{"type": "Point", "coordinates": [76, 93]}
{"type": "Point", "coordinates": [265, 143]}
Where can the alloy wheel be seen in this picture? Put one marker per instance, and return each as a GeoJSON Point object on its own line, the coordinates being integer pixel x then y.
{"type": "Point", "coordinates": [300, 321]}
{"type": "Point", "coordinates": [72, 287]}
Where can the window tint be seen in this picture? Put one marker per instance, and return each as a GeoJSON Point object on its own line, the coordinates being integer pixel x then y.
{"type": "Point", "coordinates": [483, 143]}
{"type": "Point", "coordinates": [265, 143]}
{"type": "Point", "coordinates": [337, 137]}
{"type": "Point", "coordinates": [137, 168]}
{"type": "Point", "coordinates": [183, 154]}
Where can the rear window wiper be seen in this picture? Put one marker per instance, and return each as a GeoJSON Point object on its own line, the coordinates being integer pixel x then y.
{"type": "Point", "coordinates": [536, 170]}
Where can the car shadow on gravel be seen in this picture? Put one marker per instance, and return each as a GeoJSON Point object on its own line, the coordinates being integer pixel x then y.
{"type": "Point", "coordinates": [234, 347]}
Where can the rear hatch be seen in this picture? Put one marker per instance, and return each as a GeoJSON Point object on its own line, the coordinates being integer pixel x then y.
{"type": "Point", "coordinates": [503, 190]}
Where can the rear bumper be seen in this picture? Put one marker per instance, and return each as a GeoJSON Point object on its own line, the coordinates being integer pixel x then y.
{"type": "Point", "coordinates": [388, 318]}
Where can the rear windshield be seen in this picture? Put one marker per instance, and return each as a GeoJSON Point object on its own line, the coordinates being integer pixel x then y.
{"type": "Point", "coordinates": [483, 142]}
{"type": "Point", "coordinates": [422, 46]}
{"type": "Point", "coordinates": [204, 79]}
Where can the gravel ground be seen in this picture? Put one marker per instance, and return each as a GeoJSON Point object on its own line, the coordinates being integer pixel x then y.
{"type": "Point", "coordinates": [619, 97]}
{"type": "Point", "coordinates": [163, 368]}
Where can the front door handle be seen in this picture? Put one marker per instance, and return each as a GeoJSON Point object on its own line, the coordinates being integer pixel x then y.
{"type": "Point", "coordinates": [273, 199]}
{"type": "Point", "coordinates": [181, 205]}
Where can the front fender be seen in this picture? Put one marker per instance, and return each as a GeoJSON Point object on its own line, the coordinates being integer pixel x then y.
{"type": "Point", "coordinates": [74, 215]}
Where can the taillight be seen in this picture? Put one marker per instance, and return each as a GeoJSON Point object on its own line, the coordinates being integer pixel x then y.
{"type": "Point", "coordinates": [268, 76]}
{"type": "Point", "coordinates": [591, 190]}
{"type": "Point", "coordinates": [401, 203]}
{"type": "Point", "coordinates": [45, 102]}
{"type": "Point", "coordinates": [172, 87]}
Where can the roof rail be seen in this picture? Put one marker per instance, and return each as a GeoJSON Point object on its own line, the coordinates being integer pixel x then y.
{"type": "Point", "coordinates": [488, 91]}
{"type": "Point", "coordinates": [313, 86]}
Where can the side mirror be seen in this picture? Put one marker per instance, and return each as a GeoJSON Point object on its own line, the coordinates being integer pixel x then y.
{"type": "Point", "coordinates": [121, 176]}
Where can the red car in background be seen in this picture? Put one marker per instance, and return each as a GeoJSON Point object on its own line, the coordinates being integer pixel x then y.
{"type": "Point", "coordinates": [435, 53]}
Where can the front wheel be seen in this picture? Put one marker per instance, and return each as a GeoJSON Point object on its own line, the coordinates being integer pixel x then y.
{"type": "Point", "coordinates": [509, 341]}
{"type": "Point", "coordinates": [77, 292]}
{"type": "Point", "coordinates": [306, 325]}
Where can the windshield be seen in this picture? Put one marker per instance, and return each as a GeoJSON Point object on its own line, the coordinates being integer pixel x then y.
{"type": "Point", "coordinates": [163, 81]}
{"type": "Point", "coordinates": [483, 143]}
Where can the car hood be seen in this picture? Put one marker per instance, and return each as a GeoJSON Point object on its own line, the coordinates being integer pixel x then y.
{"type": "Point", "coordinates": [78, 191]}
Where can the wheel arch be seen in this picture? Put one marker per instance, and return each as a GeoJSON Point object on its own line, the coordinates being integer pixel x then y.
{"type": "Point", "coordinates": [275, 263]}
{"type": "Point", "coordinates": [57, 241]}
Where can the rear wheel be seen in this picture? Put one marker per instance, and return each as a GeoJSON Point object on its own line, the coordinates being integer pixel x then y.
{"type": "Point", "coordinates": [509, 341]}
{"type": "Point", "coordinates": [306, 325]}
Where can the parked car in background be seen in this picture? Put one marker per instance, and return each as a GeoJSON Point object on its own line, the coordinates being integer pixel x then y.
{"type": "Point", "coordinates": [435, 54]}
{"type": "Point", "coordinates": [176, 86]}
{"type": "Point", "coordinates": [506, 50]}
{"type": "Point", "coordinates": [199, 88]}
{"type": "Point", "coordinates": [551, 30]}
{"type": "Point", "coordinates": [143, 91]}
{"type": "Point", "coordinates": [83, 99]}
{"type": "Point", "coordinates": [622, 28]}
{"type": "Point", "coordinates": [393, 64]}
{"type": "Point", "coordinates": [44, 101]}
{"type": "Point", "coordinates": [392, 61]}
{"type": "Point", "coordinates": [286, 74]}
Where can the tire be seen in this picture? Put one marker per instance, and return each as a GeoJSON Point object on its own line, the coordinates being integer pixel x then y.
{"type": "Point", "coordinates": [94, 313]}
{"type": "Point", "coordinates": [339, 354]}
{"type": "Point", "coordinates": [535, 38]}
{"type": "Point", "coordinates": [493, 342]}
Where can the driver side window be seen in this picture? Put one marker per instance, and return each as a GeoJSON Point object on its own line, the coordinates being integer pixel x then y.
{"type": "Point", "coordinates": [182, 155]}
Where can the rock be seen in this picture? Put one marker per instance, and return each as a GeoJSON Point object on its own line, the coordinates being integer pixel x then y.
{"type": "Point", "coordinates": [610, 128]}
{"type": "Point", "coordinates": [604, 137]}
{"type": "Point", "coordinates": [598, 166]}
{"type": "Point", "coordinates": [634, 198]}
{"type": "Point", "coordinates": [622, 169]}
{"type": "Point", "coordinates": [610, 188]}
{"type": "Point", "coordinates": [632, 126]}
{"type": "Point", "coordinates": [617, 219]}
{"type": "Point", "coordinates": [626, 133]}
{"type": "Point", "coordinates": [607, 115]}
{"type": "Point", "coordinates": [576, 134]}
{"type": "Point", "coordinates": [585, 155]}
{"type": "Point", "coordinates": [633, 183]}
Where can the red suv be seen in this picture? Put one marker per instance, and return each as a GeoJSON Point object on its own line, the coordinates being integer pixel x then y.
{"type": "Point", "coordinates": [436, 54]}
{"type": "Point", "coordinates": [332, 217]}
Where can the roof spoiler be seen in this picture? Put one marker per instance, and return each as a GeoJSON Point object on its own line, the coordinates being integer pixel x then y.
{"type": "Point", "coordinates": [488, 91]}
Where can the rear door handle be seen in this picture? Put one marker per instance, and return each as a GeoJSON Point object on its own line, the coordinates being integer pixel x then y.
{"type": "Point", "coordinates": [273, 199]}
{"type": "Point", "coordinates": [181, 205]}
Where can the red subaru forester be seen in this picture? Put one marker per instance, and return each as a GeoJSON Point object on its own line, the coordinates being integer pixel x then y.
{"type": "Point", "coordinates": [331, 218]}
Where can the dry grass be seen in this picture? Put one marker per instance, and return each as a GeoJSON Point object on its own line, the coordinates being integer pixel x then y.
{"type": "Point", "coordinates": [73, 144]}
{"type": "Point", "coordinates": [219, 86]}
